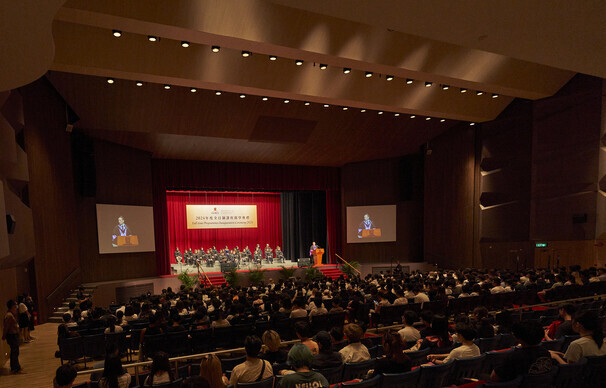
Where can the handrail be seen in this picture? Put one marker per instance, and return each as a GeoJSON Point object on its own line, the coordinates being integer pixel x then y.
{"type": "Point", "coordinates": [600, 296]}
{"type": "Point", "coordinates": [68, 277]}
{"type": "Point", "coordinates": [204, 272]}
{"type": "Point", "coordinates": [345, 261]}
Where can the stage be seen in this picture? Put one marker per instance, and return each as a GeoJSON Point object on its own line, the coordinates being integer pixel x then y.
{"type": "Point", "coordinates": [176, 268]}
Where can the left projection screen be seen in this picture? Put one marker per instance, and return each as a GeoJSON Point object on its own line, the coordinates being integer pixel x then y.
{"type": "Point", "coordinates": [122, 228]}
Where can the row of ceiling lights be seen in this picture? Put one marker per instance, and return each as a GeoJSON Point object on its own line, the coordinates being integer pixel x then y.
{"type": "Point", "coordinates": [322, 66]}
{"type": "Point", "coordinates": [111, 81]}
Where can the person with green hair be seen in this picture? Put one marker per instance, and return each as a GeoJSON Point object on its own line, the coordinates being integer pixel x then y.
{"type": "Point", "coordinates": [300, 358]}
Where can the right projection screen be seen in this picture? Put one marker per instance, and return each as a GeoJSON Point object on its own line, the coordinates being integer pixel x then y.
{"type": "Point", "coordinates": [369, 224]}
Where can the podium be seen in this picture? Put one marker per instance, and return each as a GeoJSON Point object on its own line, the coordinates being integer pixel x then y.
{"type": "Point", "coordinates": [371, 233]}
{"type": "Point", "coordinates": [317, 255]}
{"type": "Point", "coordinates": [127, 241]}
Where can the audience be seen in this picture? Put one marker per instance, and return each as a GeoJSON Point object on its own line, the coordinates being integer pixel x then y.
{"type": "Point", "coordinates": [395, 360]}
{"type": "Point", "coordinates": [591, 342]}
{"type": "Point", "coordinates": [355, 351]}
{"type": "Point", "coordinates": [65, 376]}
{"type": "Point", "coordinates": [303, 332]}
{"type": "Point", "coordinates": [468, 349]}
{"type": "Point", "coordinates": [409, 333]}
{"type": "Point", "coordinates": [160, 370]}
{"type": "Point", "coordinates": [210, 370]}
{"type": "Point", "coordinates": [326, 358]}
{"type": "Point", "coordinates": [114, 375]}
{"type": "Point", "coordinates": [272, 352]}
{"type": "Point", "coordinates": [300, 358]}
{"type": "Point", "coordinates": [254, 368]}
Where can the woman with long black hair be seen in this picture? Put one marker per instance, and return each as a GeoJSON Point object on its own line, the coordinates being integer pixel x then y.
{"type": "Point", "coordinates": [591, 343]}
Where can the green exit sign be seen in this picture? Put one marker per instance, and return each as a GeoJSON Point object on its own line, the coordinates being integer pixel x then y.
{"type": "Point", "coordinates": [540, 245]}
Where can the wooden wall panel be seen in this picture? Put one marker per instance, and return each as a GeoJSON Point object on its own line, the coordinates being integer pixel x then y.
{"type": "Point", "coordinates": [51, 191]}
{"type": "Point", "coordinates": [386, 182]}
{"type": "Point", "coordinates": [123, 176]}
{"type": "Point", "coordinates": [449, 199]}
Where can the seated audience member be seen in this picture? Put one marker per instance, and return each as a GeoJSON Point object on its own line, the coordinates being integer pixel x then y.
{"type": "Point", "coordinates": [504, 322]}
{"type": "Point", "coordinates": [468, 349]}
{"type": "Point", "coordinates": [175, 324]}
{"type": "Point", "coordinates": [408, 333]}
{"type": "Point", "coordinates": [210, 369]}
{"type": "Point", "coordinates": [195, 382]}
{"type": "Point", "coordinates": [160, 370]}
{"type": "Point", "coordinates": [317, 307]}
{"type": "Point", "coordinates": [426, 317]}
{"type": "Point", "coordinates": [326, 358]}
{"type": "Point", "coordinates": [220, 321]}
{"type": "Point", "coordinates": [563, 326]}
{"type": "Point", "coordinates": [254, 368]}
{"type": "Point", "coordinates": [395, 360]}
{"type": "Point", "coordinates": [65, 376]}
{"type": "Point", "coordinates": [129, 313]}
{"type": "Point", "coordinates": [591, 343]}
{"type": "Point", "coordinates": [338, 338]}
{"type": "Point", "coordinates": [63, 330]}
{"type": "Point", "coordinates": [112, 326]}
{"type": "Point", "coordinates": [111, 350]}
{"type": "Point", "coordinates": [114, 375]}
{"type": "Point", "coordinates": [120, 318]}
{"type": "Point", "coordinates": [419, 297]}
{"type": "Point", "coordinates": [272, 352]}
{"type": "Point", "coordinates": [298, 310]}
{"type": "Point", "coordinates": [484, 328]}
{"type": "Point", "coordinates": [300, 358]}
{"type": "Point", "coordinates": [336, 306]}
{"type": "Point", "coordinates": [530, 358]}
{"type": "Point", "coordinates": [355, 351]}
{"type": "Point", "coordinates": [303, 332]}
{"type": "Point", "coordinates": [440, 337]}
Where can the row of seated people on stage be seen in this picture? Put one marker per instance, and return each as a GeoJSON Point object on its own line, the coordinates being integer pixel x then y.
{"type": "Point", "coordinates": [447, 340]}
{"type": "Point", "coordinates": [212, 255]}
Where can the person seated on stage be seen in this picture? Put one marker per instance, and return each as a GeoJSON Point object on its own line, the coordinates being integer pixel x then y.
{"type": "Point", "coordinates": [298, 310]}
{"type": "Point", "coordinates": [303, 332]}
{"type": "Point", "coordinates": [269, 255]}
{"type": "Point", "coordinates": [279, 255]}
{"type": "Point", "coordinates": [355, 351]}
{"type": "Point", "coordinates": [178, 256]}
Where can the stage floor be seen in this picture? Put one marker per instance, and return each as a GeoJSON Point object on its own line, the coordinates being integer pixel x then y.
{"type": "Point", "coordinates": [216, 269]}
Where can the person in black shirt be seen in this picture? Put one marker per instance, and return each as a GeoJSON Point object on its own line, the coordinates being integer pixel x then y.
{"type": "Point", "coordinates": [395, 360]}
{"type": "Point", "coordinates": [272, 351]}
{"type": "Point", "coordinates": [326, 358]}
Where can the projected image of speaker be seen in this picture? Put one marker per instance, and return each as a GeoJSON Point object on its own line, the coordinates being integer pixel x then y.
{"type": "Point", "coordinates": [124, 228]}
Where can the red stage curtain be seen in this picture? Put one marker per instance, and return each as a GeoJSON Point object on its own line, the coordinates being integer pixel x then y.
{"type": "Point", "coordinates": [192, 175]}
{"type": "Point", "coordinates": [268, 230]}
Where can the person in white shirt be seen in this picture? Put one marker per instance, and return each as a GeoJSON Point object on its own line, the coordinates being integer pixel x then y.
{"type": "Point", "coordinates": [355, 351]}
{"type": "Point", "coordinates": [591, 343]}
{"type": "Point", "coordinates": [420, 297]}
{"type": "Point", "coordinates": [466, 335]}
{"type": "Point", "coordinates": [409, 333]}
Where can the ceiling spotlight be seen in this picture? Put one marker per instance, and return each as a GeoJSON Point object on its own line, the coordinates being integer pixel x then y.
{"type": "Point", "coordinates": [362, 110]}
{"type": "Point", "coordinates": [380, 112]}
{"type": "Point", "coordinates": [193, 90]}
{"type": "Point", "coordinates": [217, 92]}
{"type": "Point", "coordinates": [389, 77]}
{"type": "Point", "coordinates": [345, 108]}
{"type": "Point", "coordinates": [298, 62]}
{"type": "Point", "coordinates": [271, 57]}
{"type": "Point", "coordinates": [479, 93]}
{"type": "Point", "coordinates": [246, 54]}
{"type": "Point", "coordinates": [494, 95]}
{"type": "Point", "coordinates": [412, 116]}
{"type": "Point", "coordinates": [307, 103]}
{"type": "Point", "coordinates": [166, 86]}
{"type": "Point", "coordinates": [472, 124]}
{"type": "Point", "coordinates": [396, 114]}
{"type": "Point", "coordinates": [139, 83]}
{"type": "Point", "coordinates": [110, 81]}
{"type": "Point", "coordinates": [463, 90]}
{"type": "Point", "coordinates": [368, 74]}
{"type": "Point", "coordinates": [427, 118]}
{"type": "Point", "coordinates": [442, 120]}
{"type": "Point", "coordinates": [242, 95]}
{"type": "Point", "coordinates": [323, 66]}
{"type": "Point", "coordinates": [152, 38]}
{"type": "Point", "coordinates": [428, 84]}
{"type": "Point", "coordinates": [326, 105]}
{"type": "Point", "coordinates": [286, 101]}
{"type": "Point", "coordinates": [346, 70]}
{"type": "Point", "coordinates": [215, 49]}
{"type": "Point", "coordinates": [264, 98]}
{"type": "Point", "coordinates": [409, 81]}
{"type": "Point", "coordinates": [117, 33]}
{"type": "Point", "coordinates": [445, 87]}
{"type": "Point", "coordinates": [184, 44]}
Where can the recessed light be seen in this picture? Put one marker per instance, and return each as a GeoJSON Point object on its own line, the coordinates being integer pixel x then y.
{"type": "Point", "coordinates": [380, 112]}
{"type": "Point", "coordinates": [389, 77]}
{"type": "Point", "coordinates": [463, 90]}
{"type": "Point", "coordinates": [298, 62]}
{"type": "Point", "coordinates": [428, 84]}
{"type": "Point", "coordinates": [396, 114]}
{"type": "Point", "coordinates": [307, 103]}
{"type": "Point", "coordinates": [442, 120]}
{"type": "Point", "coordinates": [246, 54]}
{"type": "Point", "coordinates": [152, 38]}
{"type": "Point", "coordinates": [472, 124]}
{"type": "Point", "coordinates": [117, 33]}
{"type": "Point", "coordinates": [479, 93]}
{"type": "Point", "coordinates": [110, 81]}
{"type": "Point", "coordinates": [445, 87]}
{"type": "Point", "coordinates": [193, 90]}
{"type": "Point", "coordinates": [264, 98]}
{"type": "Point", "coordinates": [427, 118]}
{"type": "Point", "coordinates": [326, 105]}
{"type": "Point", "coordinates": [242, 95]}
{"type": "Point", "coordinates": [166, 86]}
{"type": "Point", "coordinates": [272, 57]}
{"type": "Point", "coordinates": [345, 108]}
{"type": "Point", "coordinates": [368, 74]}
{"type": "Point", "coordinates": [494, 95]}
{"type": "Point", "coordinates": [286, 101]}
{"type": "Point", "coordinates": [139, 83]}
{"type": "Point", "coordinates": [362, 110]}
{"type": "Point", "coordinates": [346, 70]}
{"type": "Point", "coordinates": [215, 49]}
{"type": "Point", "coordinates": [323, 66]}
{"type": "Point", "coordinates": [218, 92]}
{"type": "Point", "coordinates": [412, 116]}
{"type": "Point", "coordinates": [409, 81]}
{"type": "Point", "coordinates": [185, 44]}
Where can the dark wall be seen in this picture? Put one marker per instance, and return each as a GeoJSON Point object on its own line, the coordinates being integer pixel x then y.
{"type": "Point", "coordinates": [123, 176]}
{"type": "Point", "coordinates": [396, 181]}
{"type": "Point", "coordinates": [52, 196]}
